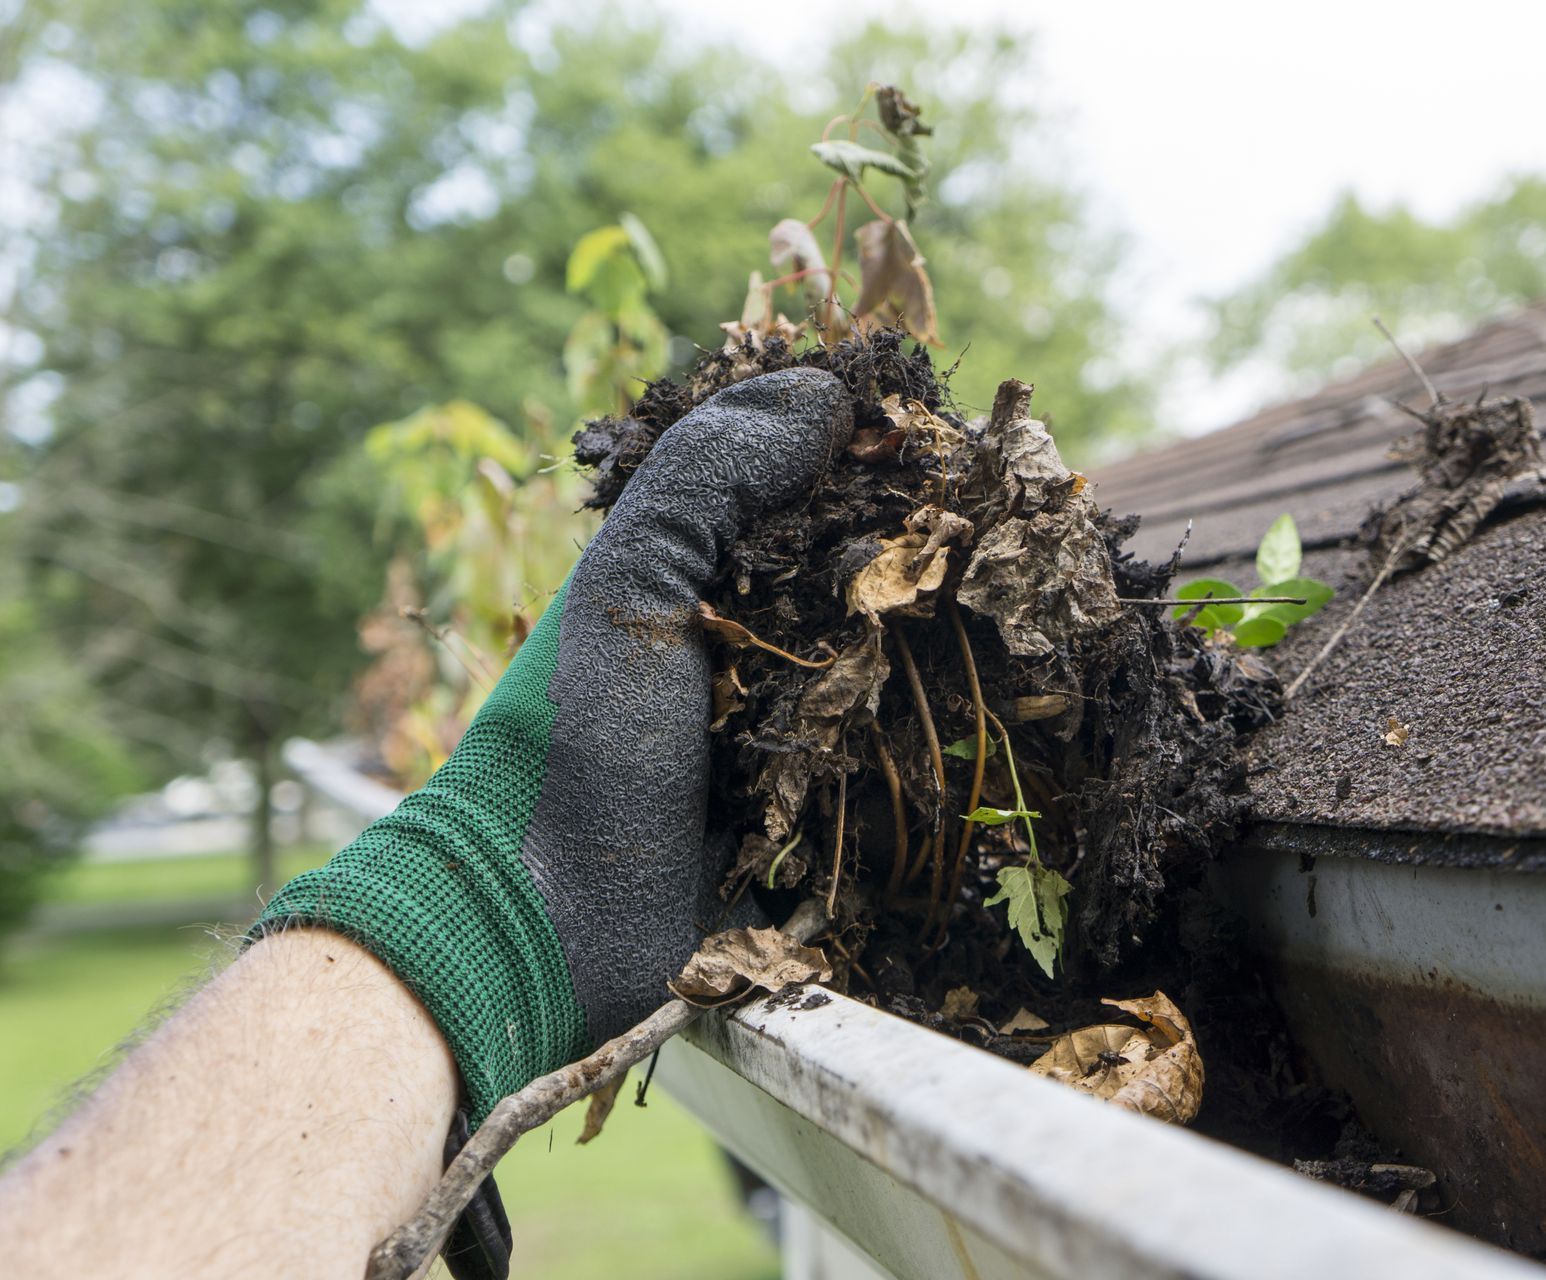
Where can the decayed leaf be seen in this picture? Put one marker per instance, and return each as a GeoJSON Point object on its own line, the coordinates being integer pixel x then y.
{"type": "Point", "coordinates": [847, 692]}
{"type": "Point", "coordinates": [600, 1107]}
{"type": "Point", "coordinates": [1396, 733]}
{"type": "Point", "coordinates": [960, 1002]}
{"type": "Point", "coordinates": [757, 324]}
{"type": "Point", "coordinates": [1024, 1020]}
{"type": "Point", "coordinates": [892, 282]}
{"type": "Point", "coordinates": [908, 567]}
{"type": "Point", "coordinates": [792, 244]}
{"type": "Point", "coordinates": [1042, 573]}
{"type": "Point", "coordinates": [1038, 706]}
{"type": "Point", "coordinates": [734, 963]}
{"type": "Point", "coordinates": [729, 696]}
{"type": "Point", "coordinates": [1155, 1069]}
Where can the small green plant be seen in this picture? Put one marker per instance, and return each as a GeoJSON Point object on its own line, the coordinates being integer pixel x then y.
{"type": "Point", "coordinates": [1033, 892]}
{"type": "Point", "coordinates": [1258, 625]}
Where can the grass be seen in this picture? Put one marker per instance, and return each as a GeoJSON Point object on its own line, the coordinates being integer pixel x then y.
{"type": "Point", "coordinates": [649, 1199]}
{"type": "Point", "coordinates": [202, 876]}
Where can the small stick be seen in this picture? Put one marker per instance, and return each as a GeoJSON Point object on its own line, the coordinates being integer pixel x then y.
{"type": "Point", "coordinates": [1336, 636]}
{"type": "Point", "coordinates": [837, 843]}
{"type": "Point", "coordinates": [1411, 364]}
{"type": "Point", "coordinates": [1207, 600]}
{"type": "Point", "coordinates": [480, 678]}
{"type": "Point", "coordinates": [982, 760]}
{"type": "Point", "coordinates": [936, 756]}
{"type": "Point", "coordinates": [737, 633]}
{"type": "Point", "coordinates": [898, 812]}
{"type": "Point", "coordinates": [403, 1252]}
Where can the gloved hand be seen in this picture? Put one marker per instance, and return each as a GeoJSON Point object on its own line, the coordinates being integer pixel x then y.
{"type": "Point", "coordinates": [537, 893]}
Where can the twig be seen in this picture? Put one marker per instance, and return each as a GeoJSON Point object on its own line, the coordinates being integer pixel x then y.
{"type": "Point", "coordinates": [837, 843]}
{"type": "Point", "coordinates": [1335, 638]}
{"type": "Point", "coordinates": [415, 615]}
{"type": "Point", "coordinates": [403, 1252]}
{"type": "Point", "coordinates": [1434, 397]}
{"type": "Point", "coordinates": [898, 812]}
{"type": "Point", "coordinates": [982, 759]}
{"type": "Point", "coordinates": [936, 756]}
{"type": "Point", "coordinates": [1207, 600]}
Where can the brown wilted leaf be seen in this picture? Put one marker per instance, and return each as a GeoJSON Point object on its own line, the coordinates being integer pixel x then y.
{"type": "Point", "coordinates": [729, 696]}
{"type": "Point", "coordinates": [1024, 1020]}
{"type": "Point", "coordinates": [600, 1107]}
{"type": "Point", "coordinates": [871, 445]}
{"type": "Point", "coordinates": [892, 282]}
{"type": "Point", "coordinates": [960, 1002]}
{"type": "Point", "coordinates": [847, 693]}
{"type": "Point", "coordinates": [908, 567]}
{"type": "Point", "coordinates": [792, 244]}
{"type": "Point", "coordinates": [1155, 1069]}
{"type": "Point", "coordinates": [1396, 733]}
{"type": "Point", "coordinates": [734, 963]}
{"type": "Point", "coordinates": [1039, 706]}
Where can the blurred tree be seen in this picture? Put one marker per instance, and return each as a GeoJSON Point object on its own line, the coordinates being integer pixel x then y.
{"type": "Point", "coordinates": [267, 226]}
{"type": "Point", "coordinates": [1309, 314]}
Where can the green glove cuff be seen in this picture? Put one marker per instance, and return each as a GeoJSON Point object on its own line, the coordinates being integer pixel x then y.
{"type": "Point", "coordinates": [437, 890]}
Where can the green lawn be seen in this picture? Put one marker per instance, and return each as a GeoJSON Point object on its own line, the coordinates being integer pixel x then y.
{"type": "Point", "coordinates": [203, 876]}
{"type": "Point", "coordinates": [649, 1199]}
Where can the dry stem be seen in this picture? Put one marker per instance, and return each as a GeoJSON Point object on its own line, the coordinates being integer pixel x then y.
{"type": "Point", "coordinates": [936, 756]}
{"type": "Point", "coordinates": [982, 759]}
{"type": "Point", "coordinates": [837, 843]}
{"type": "Point", "coordinates": [1335, 639]}
{"type": "Point", "coordinates": [898, 813]}
{"type": "Point", "coordinates": [403, 1252]}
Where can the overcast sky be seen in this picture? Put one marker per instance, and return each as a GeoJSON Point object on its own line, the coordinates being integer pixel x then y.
{"type": "Point", "coordinates": [1215, 132]}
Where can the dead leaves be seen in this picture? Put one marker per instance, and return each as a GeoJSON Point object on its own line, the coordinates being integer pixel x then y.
{"type": "Point", "coordinates": [893, 286]}
{"type": "Point", "coordinates": [734, 963]}
{"type": "Point", "coordinates": [600, 1107]}
{"type": "Point", "coordinates": [846, 694]}
{"type": "Point", "coordinates": [740, 637]}
{"type": "Point", "coordinates": [1154, 1069]}
{"type": "Point", "coordinates": [1042, 571]}
{"type": "Point", "coordinates": [1396, 733]}
{"type": "Point", "coordinates": [909, 568]}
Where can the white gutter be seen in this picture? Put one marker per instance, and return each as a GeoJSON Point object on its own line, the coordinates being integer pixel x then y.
{"type": "Point", "coordinates": [939, 1160]}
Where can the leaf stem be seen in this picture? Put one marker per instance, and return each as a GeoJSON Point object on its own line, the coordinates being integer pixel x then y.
{"type": "Point", "coordinates": [975, 685]}
{"type": "Point", "coordinates": [898, 813]}
{"type": "Point", "coordinates": [936, 756]}
{"type": "Point", "coordinates": [779, 857]}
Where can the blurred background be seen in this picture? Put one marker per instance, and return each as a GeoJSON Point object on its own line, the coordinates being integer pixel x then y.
{"type": "Point", "coordinates": [300, 304]}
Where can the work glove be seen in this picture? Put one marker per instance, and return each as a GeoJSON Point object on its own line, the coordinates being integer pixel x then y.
{"type": "Point", "coordinates": [540, 889]}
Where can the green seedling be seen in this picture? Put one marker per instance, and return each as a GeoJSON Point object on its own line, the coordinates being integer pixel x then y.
{"type": "Point", "coordinates": [1033, 893]}
{"type": "Point", "coordinates": [1258, 625]}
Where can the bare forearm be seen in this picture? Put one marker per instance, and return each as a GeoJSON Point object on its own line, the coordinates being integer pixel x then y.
{"type": "Point", "coordinates": [289, 1116]}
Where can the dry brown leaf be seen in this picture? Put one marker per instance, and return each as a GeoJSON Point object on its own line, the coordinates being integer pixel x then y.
{"type": "Point", "coordinates": [1396, 733]}
{"type": "Point", "coordinates": [908, 567]}
{"type": "Point", "coordinates": [600, 1107]}
{"type": "Point", "coordinates": [960, 1002]}
{"type": "Point", "coordinates": [729, 696]}
{"type": "Point", "coordinates": [870, 444]}
{"type": "Point", "coordinates": [1039, 706]}
{"type": "Point", "coordinates": [791, 243]}
{"type": "Point", "coordinates": [734, 963]}
{"type": "Point", "coordinates": [892, 281]}
{"type": "Point", "coordinates": [1155, 1069]}
{"type": "Point", "coordinates": [847, 693]}
{"type": "Point", "coordinates": [1024, 1020]}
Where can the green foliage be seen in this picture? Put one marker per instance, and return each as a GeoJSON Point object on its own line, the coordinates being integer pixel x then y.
{"type": "Point", "coordinates": [1037, 911]}
{"type": "Point", "coordinates": [58, 762]}
{"type": "Point", "coordinates": [1309, 313]}
{"type": "Point", "coordinates": [1034, 893]}
{"type": "Point", "coordinates": [1256, 626]}
{"type": "Point", "coordinates": [966, 749]}
{"type": "Point", "coordinates": [620, 344]}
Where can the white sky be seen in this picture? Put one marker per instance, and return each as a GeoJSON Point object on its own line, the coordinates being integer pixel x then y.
{"type": "Point", "coordinates": [1215, 132]}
